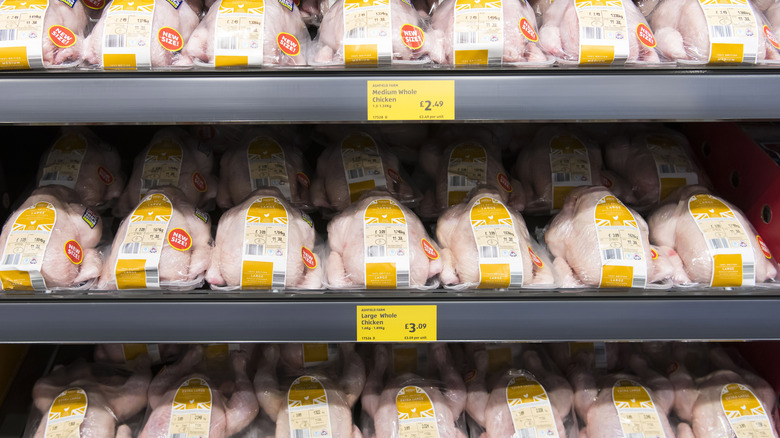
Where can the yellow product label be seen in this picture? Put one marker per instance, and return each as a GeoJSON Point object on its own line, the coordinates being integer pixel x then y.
{"type": "Point", "coordinates": [604, 35]}
{"type": "Point", "coordinates": [728, 243]}
{"type": "Point", "coordinates": [411, 100]}
{"type": "Point", "coordinates": [264, 263]}
{"type": "Point", "coordinates": [408, 358]}
{"type": "Point", "coordinates": [466, 168]}
{"type": "Point", "coordinates": [267, 165]}
{"type": "Point", "coordinates": [363, 165]}
{"type": "Point", "coordinates": [733, 31]}
{"type": "Point", "coordinates": [64, 161]}
{"type": "Point", "coordinates": [191, 415]}
{"type": "Point", "coordinates": [368, 36]}
{"type": "Point", "coordinates": [238, 34]}
{"type": "Point", "coordinates": [314, 354]}
{"type": "Point", "coordinates": [621, 246]}
{"type": "Point", "coordinates": [66, 414]}
{"type": "Point", "coordinates": [416, 414]}
{"type": "Point", "coordinates": [396, 323]}
{"type": "Point", "coordinates": [133, 351]}
{"type": "Point", "coordinates": [500, 259]}
{"type": "Point", "coordinates": [570, 167]}
{"type": "Point", "coordinates": [26, 247]}
{"type": "Point", "coordinates": [127, 35]}
{"type": "Point", "coordinates": [672, 164]}
{"type": "Point", "coordinates": [307, 402]}
{"type": "Point", "coordinates": [532, 414]}
{"type": "Point", "coordinates": [478, 37]}
{"type": "Point", "coordinates": [21, 25]}
{"type": "Point", "coordinates": [137, 266]}
{"type": "Point", "coordinates": [636, 410]}
{"type": "Point", "coordinates": [745, 412]}
{"type": "Point", "coordinates": [162, 165]}
{"type": "Point", "coordinates": [386, 242]}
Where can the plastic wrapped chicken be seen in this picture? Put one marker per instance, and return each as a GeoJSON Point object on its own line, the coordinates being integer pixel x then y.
{"type": "Point", "coordinates": [126, 354]}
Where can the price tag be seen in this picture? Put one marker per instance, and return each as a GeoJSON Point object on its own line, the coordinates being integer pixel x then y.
{"type": "Point", "coordinates": [411, 100]}
{"type": "Point", "coordinates": [396, 323]}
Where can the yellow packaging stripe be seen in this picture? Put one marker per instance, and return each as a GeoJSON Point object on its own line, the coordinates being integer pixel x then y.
{"type": "Point", "coordinates": [130, 274]}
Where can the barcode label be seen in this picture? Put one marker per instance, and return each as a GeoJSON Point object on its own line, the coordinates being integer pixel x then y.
{"type": "Point", "coordinates": [12, 259]}
{"type": "Point", "coordinates": [7, 34]}
{"type": "Point", "coordinates": [459, 181]}
{"type": "Point", "coordinates": [254, 249]}
{"type": "Point", "coordinates": [488, 251]}
{"type": "Point", "coordinates": [178, 435]}
{"type": "Point", "coordinates": [593, 33]}
{"type": "Point", "coordinates": [278, 279]}
{"type": "Point", "coordinates": [721, 31]}
{"type": "Point", "coordinates": [748, 270]}
{"type": "Point", "coordinates": [665, 168]}
{"type": "Point", "coordinates": [227, 43]}
{"type": "Point", "coordinates": [51, 176]}
{"type": "Point", "coordinates": [149, 183]}
{"type": "Point", "coordinates": [262, 182]}
{"type": "Point", "coordinates": [613, 254]}
{"type": "Point", "coordinates": [356, 173]}
{"type": "Point", "coordinates": [466, 37]}
{"type": "Point", "coordinates": [561, 177]}
{"type": "Point", "coordinates": [719, 243]}
{"type": "Point", "coordinates": [131, 248]}
{"type": "Point", "coordinates": [358, 32]}
{"type": "Point", "coordinates": [525, 433]}
{"type": "Point", "coordinates": [516, 278]}
{"type": "Point", "coordinates": [635, 435]}
{"type": "Point", "coordinates": [115, 40]}
{"type": "Point", "coordinates": [376, 251]}
{"type": "Point", "coordinates": [402, 278]}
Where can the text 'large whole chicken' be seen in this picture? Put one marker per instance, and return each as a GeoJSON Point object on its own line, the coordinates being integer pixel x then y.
{"type": "Point", "coordinates": [164, 243]}
{"type": "Point", "coordinates": [51, 242]}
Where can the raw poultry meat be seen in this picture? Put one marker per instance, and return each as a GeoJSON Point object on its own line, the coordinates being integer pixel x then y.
{"type": "Point", "coordinates": [230, 403]}
{"type": "Point", "coordinates": [111, 397]}
{"type": "Point", "coordinates": [247, 235]}
{"type": "Point", "coordinates": [177, 222]}
{"type": "Point", "coordinates": [332, 389]}
{"type": "Point", "coordinates": [457, 230]}
{"type": "Point", "coordinates": [674, 225]}
{"type": "Point", "coordinates": [491, 137]}
{"type": "Point", "coordinates": [312, 11]}
{"type": "Point", "coordinates": [119, 354]}
{"type": "Point", "coordinates": [81, 161]}
{"type": "Point", "coordinates": [70, 258]}
{"type": "Point", "coordinates": [171, 158]}
{"type": "Point", "coordinates": [61, 14]}
{"type": "Point", "coordinates": [519, 38]}
{"type": "Point", "coordinates": [404, 140]}
{"type": "Point", "coordinates": [560, 34]}
{"type": "Point", "coordinates": [773, 16]}
{"type": "Point", "coordinates": [182, 20]}
{"type": "Point", "coordinates": [564, 354]}
{"type": "Point", "coordinates": [277, 19]}
{"type": "Point", "coordinates": [357, 232]}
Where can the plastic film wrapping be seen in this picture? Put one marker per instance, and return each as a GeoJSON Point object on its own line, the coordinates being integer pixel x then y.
{"type": "Point", "coordinates": [127, 354]}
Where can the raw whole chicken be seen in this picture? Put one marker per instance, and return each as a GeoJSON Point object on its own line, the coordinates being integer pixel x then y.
{"type": "Point", "coordinates": [560, 34]}
{"type": "Point", "coordinates": [463, 257]}
{"type": "Point", "coordinates": [61, 14]}
{"type": "Point", "coordinates": [119, 354]}
{"type": "Point", "coordinates": [432, 151]}
{"type": "Point", "coordinates": [358, 231]}
{"type": "Point", "coordinates": [773, 16]}
{"type": "Point", "coordinates": [242, 241]}
{"type": "Point", "coordinates": [70, 258]}
{"type": "Point", "coordinates": [519, 38]}
{"type": "Point", "coordinates": [564, 354]}
{"type": "Point", "coordinates": [353, 166]}
{"type": "Point", "coordinates": [599, 242]}
{"type": "Point", "coordinates": [81, 161]}
{"type": "Point", "coordinates": [171, 158]}
{"type": "Point", "coordinates": [277, 19]}
{"type": "Point", "coordinates": [404, 140]}
{"type": "Point", "coordinates": [409, 41]}
{"type": "Point", "coordinates": [180, 267]}
{"type": "Point", "coordinates": [673, 225]}
{"type": "Point", "coordinates": [111, 397]}
{"type": "Point", "coordinates": [231, 404]}
{"type": "Point", "coordinates": [331, 389]}
{"type": "Point", "coordinates": [182, 20]}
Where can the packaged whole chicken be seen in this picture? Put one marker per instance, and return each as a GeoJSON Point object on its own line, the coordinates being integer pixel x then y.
{"type": "Point", "coordinates": [773, 17]}
{"type": "Point", "coordinates": [265, 243]}
{"type": "Point", "coordinates": [717, 245]}
{"type": "Point", "coordinates": [404, 140]}
{"type": "Point", "coordinates": [187, 399]}
{"type": "Point", "coordinates": [249, 34]}
{"type": "Point", "coordinates": [41, 33]}
{"type": "Point", "coordinates": [486, 245]}
{"type": "Point", "coordinates": [88, 400]}
{"type": "Point", "coordinates": [142, 34]}
{"type": "Point", "coordinates": [172, 158]}
{"type": "Point", "coordinates": [128, 354]}
{"type": "Point", "coordinates": [355, 32]}
{"type": "Point", "coordinates": [217, 138]}
{"type": "Point", "coordinates": [51, 242]}
{"type": "Point", "coordinates": [497, 33]}
{"type": "Point", "coordinates": [379, 244]}
{"type": "Point", "coordinates": [165, 243]}
{"type": "Point", "coordinates": [79, 160]}
{"type": "Point", "coordinates": [599, 242]}
{"type": "Point", "coordinates": [432, 152]}
{"type": "Point", "coordinates": [353, 166]}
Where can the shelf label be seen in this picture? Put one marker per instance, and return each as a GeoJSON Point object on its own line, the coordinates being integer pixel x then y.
{"type": "Point", "coordinates": [396, 323]}
{"type": "Point", "coordinates": [411, 100]}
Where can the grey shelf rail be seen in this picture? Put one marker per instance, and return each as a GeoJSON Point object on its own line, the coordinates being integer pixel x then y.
{"type": "Point", "coordinates": [311, 95]}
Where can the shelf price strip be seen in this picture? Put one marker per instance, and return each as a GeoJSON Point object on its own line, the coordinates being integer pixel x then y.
{"type": "Point", "coordinates": [411, 100]}
{"type": "Point", "coordinates": [396, 323]}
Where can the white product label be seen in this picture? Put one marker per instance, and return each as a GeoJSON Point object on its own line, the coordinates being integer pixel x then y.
{"type": "Point", "coordinates": [745, 412]}
{"type": "Point", "coordinates": [532, 414]}
{"type": "Point", "coordinates": [570, 167]}
{"type": "Point", "coordinates": [26, 246]}
{"type": "Point", "coordinates": [267, 165]}
{"type": "Point", "coordinates": [623, 261]}
{"type": "Point", "coordinates": [238, 34]}
{"type": "Point", "coordinates": [191, 414]}
{"type": "Point", "coordinates": [386, 242]}
{"type": "Point", "coordinates": [636, 410]}
{"type": "Point", "coordinates": [733, 31]}
{"type": "Point", "coordinates": [500, 256]}
{"type": "Point", "coordinates": [137, 266]}
{"type": "Point", "coordinates": [478, 35]}
{"type": "Point", "coordinates": [466, 168]}
{"type": "Point", "coordinates": [64, 161]}
{"type": "Point", "coordinates": [368, 37]}
{"type": "Point", "coordinates": [362, 165]}
{"type": "Point", "coordinates": [604, 35]}
{"type": "Point", "coordinates": [127, 34]}
{"type": "Point", "coordinates": [66, 414]}
{"type": "Point", "coordinates": [307, 402]}
{"type": "Point", "coordinates": [162, 165]}
{"type": "Point", "coordinates": [416, 414]}
{"type": "Point", "coordinates": [22, 33]}
{"type": "Point", "coordinates": [264, 263]}
{"type": "Point", "coordinates": [672, 164]}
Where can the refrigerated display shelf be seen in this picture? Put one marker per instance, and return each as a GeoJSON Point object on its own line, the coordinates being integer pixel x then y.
{"type": "Point", "coordinates": [341, 96]}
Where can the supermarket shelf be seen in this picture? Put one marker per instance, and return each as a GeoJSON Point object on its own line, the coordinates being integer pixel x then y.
{"type": "Point", "coordinates": [340, 96]}
{"type": "Point", "coordinates": [508, 316]}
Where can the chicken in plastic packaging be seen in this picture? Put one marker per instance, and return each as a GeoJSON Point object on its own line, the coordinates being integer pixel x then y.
{"type": "Point", "coordinates": [217, 138]}
{"type": "Point", "coordinates": [217, 402]}
{"type": "Point", "coordinates": [312, 11]}
{"type": "Point", "coordinates": [493, 138]}
{"type": "Point", "coordinates": [772, 14]}
{"type": "Point", "coordinates": [142, 34]}
{"type": "Point", "coordinates": [716, 244]}
{"type": "Point", "coordinates": [355, 32]}
{"type": "Point", "coordinates": [270, 34]}
{"type": "Point", "coordinates": [604, 355]}
{"type": "Point", "coordinates": [51, 243]}
{"type": "Point", "coordinates": [314, 401]}
{"type": "Point", "coordinates": [486, 244]}
{"type": "Point", "coordinates": [265, 243]}
{"type": "Point", "coordinates": [599, 242]}
{"type": "Point", "coordinates": [497, 33]}
{"type": "Point", "coordinates": [165, 243]}
{"type": "Point", "coordinates": [80, 160]}
{"type": "Point", "coordinates": [404, 140]}
{"type": "Point", "coordinates": [380, 244]}
{"type": "Point", "coordinates": [128, 354]}
{"type": "Point", "coordinates": [173, 158]}
{"type": "Point", "coordinates": [88, 400]}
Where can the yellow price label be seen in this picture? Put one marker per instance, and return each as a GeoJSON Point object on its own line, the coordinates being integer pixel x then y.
{"type": "Point", "coordinates": [396, 323]}
{"type": "Point", "coordinates": [411, 100]}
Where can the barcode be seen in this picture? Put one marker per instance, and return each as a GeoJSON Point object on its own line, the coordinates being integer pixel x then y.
{"type": "Point", "coordinates": [376, 251]}
{"type": "Point", "coordinates": [7, 34]}
{"type": "Point", "coordinates": [593, 33]}
{"type": "Point", "coordinates": [178, 435]}
{"type": "Point", "coordinates": [635, 435]}
{"type": "Point", "coordinates": [356, 173]}
{"type": "Point", "coordinates": [613, 254]}
{"type": "Point", "coordinates": [561, 177]}
{"type": "Point", "coordinates": [465, 37]}
{"type": "Point", "coordinates": [131, 248]}
{"type": "Point", "coordinates": [152, 278]}
{"type": "Point", "coordinates": [51, 176]}
{"type": "Point", "coordinates": [748, 271]}
{"type": "Point", "coordinates": [254, 249]}
{"type": "Point", "coordinates": [665, 168]}
{"type": "Point", "coordinates": [719, 243]}
{"type": "Point", "coordinates": [516, 279]}
{"type": "Point", "coordinates": [278, 279]}
{"type": "Point", "coordinates": [721, 31]}
{"type": "Point", "coordinates": [149, 183]}
{"type": "Point", "coordinates": [358, 32]}
{"type": "Point", "coordinates": [525, 433]}
{"type": "Point", "coordinates": [488, 251]}
{"type": "Point", "coordinates": [12, 259]}
{"type": "Point", "coordinates": [402, 278]}
{"type": "Point", "coordinates": [227, 43]}
{"type": "Point", "coordinates": [262, 182]}
{"type": "Point", "coordinates": [115, 41]}
{"type": "Point", "coordinates": [459, 181]}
